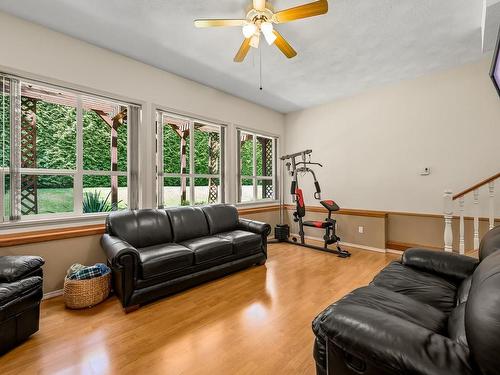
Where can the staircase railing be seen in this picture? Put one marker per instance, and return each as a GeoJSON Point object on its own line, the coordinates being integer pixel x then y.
{"type": "Point", "coordinates": [449, 202]}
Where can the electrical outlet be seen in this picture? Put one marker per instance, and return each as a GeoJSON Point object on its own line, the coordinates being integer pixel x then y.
{"type": "Point", "coordinates": [361, 229]}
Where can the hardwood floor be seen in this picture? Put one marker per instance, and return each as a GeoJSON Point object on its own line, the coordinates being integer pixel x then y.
{"type": "Point", "coordinates": [257, 321]}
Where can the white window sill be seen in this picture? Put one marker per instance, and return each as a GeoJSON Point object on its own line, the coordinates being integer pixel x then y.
{"type": "Point", "coordinates": [51, 222]}
{"type": "Point", "coordinates": [256, 204]}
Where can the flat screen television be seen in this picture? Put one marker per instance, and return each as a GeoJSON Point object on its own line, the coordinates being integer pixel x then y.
{"type": "Point", "coordinates": [495, 66]}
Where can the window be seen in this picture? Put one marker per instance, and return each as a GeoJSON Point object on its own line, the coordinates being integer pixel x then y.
{"type": "Point", "coordinates": [257, 167]}
{"type": "Point", "coordinates": [190, 161]}
{"type": "Point", "coordinates": [62, 152]}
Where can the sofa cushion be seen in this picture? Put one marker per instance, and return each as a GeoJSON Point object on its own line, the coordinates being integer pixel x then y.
{"type": "Point", "coordinates": [221, 218]}
{"type": "Point", "coordinates": [482, 314]}
{"type": "Point", "coordinates": [140, 228]}
{"type": "Point", "coordinates": [422, 286]}
{"type": "Point", "coordinates": [15, 267]}
{"type": "Point", "coordinates": [187, 223]}
{"type": "Point", "coordinates": [12, 291]}
{"type": "Point", "coordinates": [490, 243]}
{"type": "Point", "coordinates": [163, 258]}
{"type": "Point", "coordinates": [19, 296]}
{"type": "Point", "coordinates": [456, 325]}
{"type": "Point", "coordinates": [463, 290]}
{"type": "Point", "coordinates": [374, 299]}
{"type": "Point", "coordinates": [394, 304]}
{"type": "Point", "coordinates": [243, 242]}
{"type": "Point", "coordinates": [208, 248]}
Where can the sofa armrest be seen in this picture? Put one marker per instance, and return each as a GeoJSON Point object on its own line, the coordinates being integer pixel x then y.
{"type": "Point", "coordinates": [17, 267]}
{"type": "Point", "coordinates": [254, 226]}
{"type": "Point", "coordinates": [124, 260]}
{"type": "Point", "coordinates": [115, 249]}
{"type": "Point", "coordinates": [449, 265]}
{"type": "Point", "coordinates": [391, 343]}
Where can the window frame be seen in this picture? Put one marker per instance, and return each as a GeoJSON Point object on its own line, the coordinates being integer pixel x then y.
{"type": "Point", "coordinates": [191, 175]}
{"type": "Point", "coordinates": [254, 177]}
{"type": "Point", "coordinates": [76, 174]}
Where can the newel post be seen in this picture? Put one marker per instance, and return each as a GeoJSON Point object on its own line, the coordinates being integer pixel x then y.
{"type": "Point", "coordinates": [448, 217]}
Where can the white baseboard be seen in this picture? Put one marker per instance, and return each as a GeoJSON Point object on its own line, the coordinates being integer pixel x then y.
{"type": "Point", "coordinates": [362, 247]}
{"type": "Point", "coordinates": [55, 293]}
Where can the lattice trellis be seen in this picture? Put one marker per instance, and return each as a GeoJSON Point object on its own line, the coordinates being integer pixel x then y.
{"type": "Point", "coordinates": [29, 199]}
{"type": "Point", "coordinates": [213, 161]}
{"type": "Point", "coordinates": [267, 167]}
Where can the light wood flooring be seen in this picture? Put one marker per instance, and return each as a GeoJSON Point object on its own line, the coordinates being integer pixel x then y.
{"type": "Point", "coordinates": [257, 321]}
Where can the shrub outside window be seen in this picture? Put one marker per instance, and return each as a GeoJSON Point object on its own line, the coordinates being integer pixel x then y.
{"type": "Point", "coordinates": [190, 161]}
{"type": "Point", "coordinates": [256, 167]}
{"type": "Point", "coordinates": [62, 152]}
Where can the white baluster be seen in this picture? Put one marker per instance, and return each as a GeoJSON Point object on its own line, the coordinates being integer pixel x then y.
{"type": "Point", "coordinates": [476, 219]}
{"type": "Point", "coordinates": [448, 217]}
{"type": "Point", "coordinates": [462, 226]}
{"type": "Point", "coordinates": [492, 204]}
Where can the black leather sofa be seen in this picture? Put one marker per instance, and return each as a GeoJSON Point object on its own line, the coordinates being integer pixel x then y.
{"type": "Point", "coordinates": [157, 252]}
{"type": "Point", "coordinates": [20, 296]}
{"type": "Point", "coordinates": [431, 313]}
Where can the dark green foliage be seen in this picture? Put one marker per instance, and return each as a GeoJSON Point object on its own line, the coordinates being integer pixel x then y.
{"type": "Point", "coordinates": [172, 155]}
{"type": "Point", "coordinates": [93, 202]}
{"type": "Point", "coordinates": [4, 130]}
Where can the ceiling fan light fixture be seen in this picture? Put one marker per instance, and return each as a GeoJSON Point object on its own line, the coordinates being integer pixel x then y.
{"type": "Point", "coordinates": [267, 29]}
{"type": "Point", "coordinates": [249, 29]}
{"type": "Point", "coordinates": [254, 41]}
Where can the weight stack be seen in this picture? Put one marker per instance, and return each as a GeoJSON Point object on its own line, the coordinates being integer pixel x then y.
{"type": "Point", "coordinates": [282, 232]}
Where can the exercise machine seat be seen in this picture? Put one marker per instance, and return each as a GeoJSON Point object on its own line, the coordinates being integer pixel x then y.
{"type": "Point", "coordinates": [318, 224]}
{"type": "Point", "coordinates": [431, 313]}
{"type": "Point", "coordinates": [330, 205]}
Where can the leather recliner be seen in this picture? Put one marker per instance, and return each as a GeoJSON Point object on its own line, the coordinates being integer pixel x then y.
{"type": "Point", "coordinates": [432, 313]}
{"type": "Point", "coordinates": [20, 295]}
{"type": "Point", "coordinates": [157, 252]}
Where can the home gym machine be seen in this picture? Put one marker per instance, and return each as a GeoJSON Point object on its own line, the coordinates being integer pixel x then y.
{"type": "Point", "coordinates": [282, 231]}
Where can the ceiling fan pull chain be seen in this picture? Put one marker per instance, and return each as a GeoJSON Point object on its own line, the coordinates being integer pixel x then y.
{"type": "Point", "coordinates": [260, 67]}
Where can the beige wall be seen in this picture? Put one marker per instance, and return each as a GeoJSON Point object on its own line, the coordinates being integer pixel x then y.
{"type": "Point", "coordinates": [37, 52]}
{"type": "Point", "coordinates": [429, 231]}
{"type": "Point", "coordinates": [374, 233]}
{"type": "Point", "coordinates": [59, 256]}
{"type": "Point", "coordinates": [373, 145]}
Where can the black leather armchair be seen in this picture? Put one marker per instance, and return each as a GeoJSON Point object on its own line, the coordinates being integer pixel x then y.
{"type": "Point", "coordinates": [20, 296]}
{"type": "Point", "coordinates": [432, 313]}
{"type": "Point", "coordinates": [157, 252]}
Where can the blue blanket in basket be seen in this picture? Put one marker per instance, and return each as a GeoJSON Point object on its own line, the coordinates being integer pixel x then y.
{"type": "Point", "coordinates": [85, 273]}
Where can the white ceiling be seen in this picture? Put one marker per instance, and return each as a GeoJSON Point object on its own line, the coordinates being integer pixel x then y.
{"type": "Point", "coordinates": [359, 44]}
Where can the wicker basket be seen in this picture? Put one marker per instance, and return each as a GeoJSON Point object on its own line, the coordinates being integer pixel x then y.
{"type": "Point", "coordinates": [81, 294]}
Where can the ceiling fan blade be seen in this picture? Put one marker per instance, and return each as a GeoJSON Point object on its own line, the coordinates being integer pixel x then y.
{"type": "Point", "coordinates": [259, 4]}
{"type": "Point", "coordinates": [302, 11]}
{"type": "Point", "coordinates": [218, 23]}
{"type": "Point", "coordinates": [242, 52]}
{"type": "Point", "coordinates": [284, 46]}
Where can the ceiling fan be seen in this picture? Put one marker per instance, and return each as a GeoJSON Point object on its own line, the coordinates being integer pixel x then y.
{"type": "Point", "coordinates": [260, 19]}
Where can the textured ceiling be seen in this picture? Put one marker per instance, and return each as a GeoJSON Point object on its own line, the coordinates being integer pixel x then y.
{"type": "Point", "coordinates": [359, 44]}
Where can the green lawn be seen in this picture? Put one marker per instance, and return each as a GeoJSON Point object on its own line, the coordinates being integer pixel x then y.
{"type": "Point", "coordinates": [61, 200]}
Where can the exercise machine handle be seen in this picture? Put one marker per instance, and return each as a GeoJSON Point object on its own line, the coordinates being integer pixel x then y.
{"type": "Point", "coordinates": [317, 194]}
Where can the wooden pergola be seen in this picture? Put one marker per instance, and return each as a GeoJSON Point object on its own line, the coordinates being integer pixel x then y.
{"type": "Point", "coordinates": [182, 129]}
{"type": "Point", "coordinates": [113, 115]}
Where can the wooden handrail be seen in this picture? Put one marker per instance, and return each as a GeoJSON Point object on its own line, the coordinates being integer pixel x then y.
{"type": "Point", "coordinates": [477, 186]}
